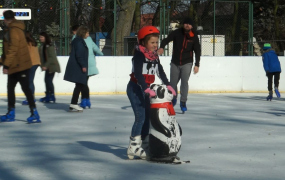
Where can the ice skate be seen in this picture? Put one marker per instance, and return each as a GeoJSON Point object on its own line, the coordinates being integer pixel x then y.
{"type": "Point", "coordinates": [88, 103]}
{"type": "Point", "coordinates": [183, 106]}
{"type": "Point", "coordinates": [75, 108]}
{"type": "Point", "coordinates": [45, 99]}
{"type": "Point", "coordinates": [83, 103]}
{"type": "Point", "coordinates": [135, 149]}
{"type": "Point", "coordinates": [9, 117]}
{"type": "Point", "coordinates": [277, 92]}
{"type": "Point", "coordinates": [270, 96]}
{"type": "Point", "coordinates": [52, 98]}
{"type": "Point", "coordinates": [35, 117]}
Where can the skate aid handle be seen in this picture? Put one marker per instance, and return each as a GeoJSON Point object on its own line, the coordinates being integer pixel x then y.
{"type": "Point", "coordinates": [171, 89]}
{"type": "Point", "coordinates": [150, 92]}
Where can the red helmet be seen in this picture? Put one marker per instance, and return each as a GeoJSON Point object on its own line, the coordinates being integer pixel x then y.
{"type": "Point", "coordinates": [146, 31]}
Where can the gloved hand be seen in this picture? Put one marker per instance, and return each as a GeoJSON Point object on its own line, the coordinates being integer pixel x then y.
{"type": "Point", "coordinates": [150, 92]}
{"type": "Point", "coordinates": [172, 90]}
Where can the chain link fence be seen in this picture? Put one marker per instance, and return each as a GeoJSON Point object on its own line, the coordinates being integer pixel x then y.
{"type": "Point", "coordinates": [224, 28]}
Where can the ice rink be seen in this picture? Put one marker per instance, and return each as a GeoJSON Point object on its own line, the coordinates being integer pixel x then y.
{"type": "Point", "coordinates": [225, 136]}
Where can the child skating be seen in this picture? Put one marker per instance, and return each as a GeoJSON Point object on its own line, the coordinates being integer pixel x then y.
{"type": "Point", "coordinates": [145, 64]}
{"type": "Point", "coordinates": [272, 68]}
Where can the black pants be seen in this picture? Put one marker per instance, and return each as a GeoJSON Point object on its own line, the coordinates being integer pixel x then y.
{"type": "Point", "coordinates": [84, 89]}
{"type": "Point", "coordinates": [276, 79]}
{"type": "Point", "coordinates": [49, 84]}
{"type": "Point", "coordinates": [23, 78]}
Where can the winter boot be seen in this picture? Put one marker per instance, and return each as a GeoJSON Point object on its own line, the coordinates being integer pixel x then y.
{"type": "Point", "coordinates": [269, 97]}
{"type": "Point", "coordinates": [277, 92]}
{"type": "Point", "coordinates": [9, 117]}
{"type": "Point", "coordinates": [83, 103]}
{"type": "Point", "coordinates": [88, 103]}
{"type": "Point", "coordinates": [35, 117]}
{"type": "Point", "coordinates": [75, 108]}
{"type": "Point", "coordinates": [135, 148]}
{"type": "Point", "coordinates": [183, 106]}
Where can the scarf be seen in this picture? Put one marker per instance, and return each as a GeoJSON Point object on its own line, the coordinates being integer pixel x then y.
{"type": "Point", "coordinates": [148, 54]}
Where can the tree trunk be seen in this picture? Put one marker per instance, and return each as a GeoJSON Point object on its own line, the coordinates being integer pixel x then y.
{"type": "Point", "coordinates": [124, 24]}
{"type": "Point", "coordinates": [137, 17]}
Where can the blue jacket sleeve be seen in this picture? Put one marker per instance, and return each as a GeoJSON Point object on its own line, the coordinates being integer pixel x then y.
{"type": "Point", "coordinates": [265, 62]}
{"type": "Point", "coordinates": [138, 60]}
{"type": "Point", "coordinates": [80, 54]}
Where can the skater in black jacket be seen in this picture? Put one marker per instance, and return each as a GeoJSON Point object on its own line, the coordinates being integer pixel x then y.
{"type": "Point", "coordinates": [185, 41]}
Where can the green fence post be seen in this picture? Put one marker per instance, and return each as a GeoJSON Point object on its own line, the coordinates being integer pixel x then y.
{"type": "Point", "coordinates": [60, 28]}
{"type": "Point", "coordinates": [214, 28]}
{"type": "Point", "coordinates": [115, 26]}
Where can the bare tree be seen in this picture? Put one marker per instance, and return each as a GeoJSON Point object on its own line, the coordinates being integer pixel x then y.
{"type": "Point", "coordinates": [124, 24]}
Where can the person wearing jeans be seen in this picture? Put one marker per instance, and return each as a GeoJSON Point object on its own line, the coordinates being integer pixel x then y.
{"type": "Point", "coordinates": [35, 57]}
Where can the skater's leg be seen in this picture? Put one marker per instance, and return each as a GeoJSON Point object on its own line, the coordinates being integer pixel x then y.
{"type": "Point", "coordinates": [31, 78]}
{"type": "Point", "coordinates": [269, 76]}
{"type": "Point", "coordinates": [145, 128]}
{"type": "Point", "coordinates": [174, 79]}
{"type": "Point", "coordinates": [24, 82]}
{"type": "Point", "coordinates": [137, 99]}
{"type": "Point", "coordinates": [76, 92]}
{"type": "Point", "coordinates": [276, 79]}
{"type": "Point", "coordinates": [49, 83]}
{"type": "Point", "coordinates": [185, 75]}
{"type": "Point", "coordinates": [12, 81]}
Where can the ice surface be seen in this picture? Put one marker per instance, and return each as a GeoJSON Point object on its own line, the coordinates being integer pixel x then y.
{"type": "Point", "coordinates": [225, 136]}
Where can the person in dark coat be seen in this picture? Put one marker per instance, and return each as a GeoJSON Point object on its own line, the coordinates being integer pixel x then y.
{"type": "Point", "coordinates": [77, 67]}
{"type": "Point", "coordinates": [185, 45]}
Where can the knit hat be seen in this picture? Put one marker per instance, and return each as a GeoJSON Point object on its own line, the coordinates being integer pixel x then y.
{"type": "Point", "coordinates": [188, 21]}
{"type": "Point", "coordinates": [266, 46]}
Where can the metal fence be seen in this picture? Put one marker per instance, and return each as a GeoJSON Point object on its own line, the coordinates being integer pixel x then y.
{"type": "Point", "coordinates": [225, 27]}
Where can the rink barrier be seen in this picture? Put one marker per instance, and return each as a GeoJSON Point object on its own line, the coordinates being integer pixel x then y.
{"type": "Point", "coordinates": [238, 74]}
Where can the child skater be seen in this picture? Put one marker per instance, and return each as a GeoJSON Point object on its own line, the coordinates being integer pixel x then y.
{"type": "Point", "coordinates": [145, 64]}
{"type": "Point", "coordinates": [49, 64]}
{"type": "Point", "coordinates": [272, 68]}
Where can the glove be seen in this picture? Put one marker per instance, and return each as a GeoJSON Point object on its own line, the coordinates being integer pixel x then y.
{"type": "Point", "coordinates": [172, 90]}
{"type": "Point", "coordinates": [150, 92]}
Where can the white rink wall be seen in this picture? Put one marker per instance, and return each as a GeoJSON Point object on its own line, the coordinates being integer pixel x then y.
{"type": "Point", "coordinates": [217, 74]}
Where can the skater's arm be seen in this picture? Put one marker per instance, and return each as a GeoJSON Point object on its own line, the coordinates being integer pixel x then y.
{"type": "Point", "coordinates": [165, 41]}
{"type": "Point", "coordinates": [13, 47]}
{"type": "Point", "coordinates": [197, 50]}
{"type": "Point", "coordinates": [161, 74]}
{"type": "Point", "coordinates": [138, 60]}
{"type": "Point", "coordinates": [96, 49]}
{"type": "Point", "coordinates": [265, 62]}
